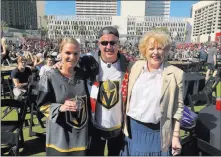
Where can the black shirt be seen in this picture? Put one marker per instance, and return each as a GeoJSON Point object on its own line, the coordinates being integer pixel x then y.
{"type": "Point", "coordinates": [21, 76]}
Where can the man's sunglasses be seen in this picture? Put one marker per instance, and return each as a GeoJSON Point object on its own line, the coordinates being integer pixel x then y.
{"type": "Point", "coordinates": [112, 43]}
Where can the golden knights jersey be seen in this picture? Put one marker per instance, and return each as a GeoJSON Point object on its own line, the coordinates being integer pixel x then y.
{"type": "Point", "coordinates": [65, 131]}
{"type": "Point", "coordinates": [109, 114]}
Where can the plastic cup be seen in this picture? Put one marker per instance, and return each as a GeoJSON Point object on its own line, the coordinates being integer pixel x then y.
{"type": "Point", "coordinates": [218, 104]}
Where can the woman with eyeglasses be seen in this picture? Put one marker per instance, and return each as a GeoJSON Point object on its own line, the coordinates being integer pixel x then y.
{"type": "Point", "coordinates": [64, 101]}
{"type": "Point", "coordinates": [154, 104]}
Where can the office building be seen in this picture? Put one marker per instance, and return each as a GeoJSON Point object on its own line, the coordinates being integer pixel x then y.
{"type": "Point", "coordinates": [42, 21]}
{"type": "Point", "coordinates": [98, 7]}
{"type": "Point", "coordinates": [157, 8]}
{"type": "Point", "coordinates": [145, 8]}
{"type": "Point", "coordinates": [19, 14]}
{"type": "Point", "coordinates": [87, 27]}
{"type": "Point", "coordinates": [206, 21]}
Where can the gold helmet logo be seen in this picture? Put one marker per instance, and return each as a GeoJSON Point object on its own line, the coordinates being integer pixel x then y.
{"type": "Point", "coordinates": [79, 118]}
{"type": "Point", "coordinates": [109, 93]}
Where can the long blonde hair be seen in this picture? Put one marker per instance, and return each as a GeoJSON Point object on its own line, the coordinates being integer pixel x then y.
{"type": "Point", "coordinates": [4, 42]}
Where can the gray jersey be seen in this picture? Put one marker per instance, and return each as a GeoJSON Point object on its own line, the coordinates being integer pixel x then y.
{"type": "Point", "coordinates": [65, 131]}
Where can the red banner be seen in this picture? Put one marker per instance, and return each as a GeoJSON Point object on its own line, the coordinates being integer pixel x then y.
{"type": "Point", "coordinates": [218, 37]}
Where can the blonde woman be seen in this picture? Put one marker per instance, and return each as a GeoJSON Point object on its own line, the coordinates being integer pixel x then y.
{"type": "Point", "coordinates": [64, 100]}
{"type": "Point", "coordinates": [154, 101]}
{"type": "Point", "coordinates": [4, 51]}
{"type": "Point", "coordinates": [29, 57]}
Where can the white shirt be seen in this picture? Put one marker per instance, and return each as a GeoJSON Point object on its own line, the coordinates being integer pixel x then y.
{"type": "Point", "coordinates": [145, 96]}
{"type": "Point", "coordinates": [44, 69]}
{"type": "Point", "coordinates": [106, 119]}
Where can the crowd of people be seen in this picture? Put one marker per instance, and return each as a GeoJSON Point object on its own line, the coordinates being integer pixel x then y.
{"type": "Point", "coordinates": [108, 96]}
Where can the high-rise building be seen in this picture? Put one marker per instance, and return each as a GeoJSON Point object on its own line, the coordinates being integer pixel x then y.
{"type": "Point", "coordinates": [97, 7]}
{"type": "Point", "coordinates": [42, 22]}
{"type": "Point", "coordinates": [157, 8]}
{"type": "Point", "coordinates": [145, 8]}
{"type": "Point", "coordinates": [19, 14]}
{"type": "Point", "coordinates": [206, 21]}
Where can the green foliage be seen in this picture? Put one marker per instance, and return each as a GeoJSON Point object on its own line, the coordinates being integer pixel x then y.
{"type": "Point", "coordinates": [24, 35]}
{"type": "Point", "coordinates": [164, 29]}
{"type": "Point", "coordinates": [116, 26]}
{"type": "Point", "coordinates": [4, 25]}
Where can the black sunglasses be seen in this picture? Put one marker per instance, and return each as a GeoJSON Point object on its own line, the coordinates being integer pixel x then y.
{"type": "Point", "coordinates": [112, 43]}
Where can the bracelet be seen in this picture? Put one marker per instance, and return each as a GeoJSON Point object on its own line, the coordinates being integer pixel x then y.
{"type": "Point", "coordinates": [176, 136]}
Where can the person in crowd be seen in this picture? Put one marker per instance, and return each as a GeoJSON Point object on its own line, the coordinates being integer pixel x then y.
{"type": "Point", "coordinates": [13, 56]}
{"type": "Point", "coordinates": [48, 66]}
{"type": "Point", "coordinates": [4, 51]}
{"type": "Point", "coordinates": [63, 99]}
{"type": "Point", "coordinates": [202, 53]}
{"type": "Point", "coordinates": [105, 94]}
{"type": "Point", "coordinates": [21, 77]}
{"type": "Point", "coordinates": [154, 101]}
{"type": "Point", "coordinates": [38, 61]}
{"type": "Point", "coordinates": [29, 57]}
{"type": "Point", "coordinates": [127, 55]}
{"type": "Point", "coordinates": [211, 61]}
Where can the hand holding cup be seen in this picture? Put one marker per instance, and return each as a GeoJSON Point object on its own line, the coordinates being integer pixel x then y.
{"type": "Point", "coordinates": [69, 105]}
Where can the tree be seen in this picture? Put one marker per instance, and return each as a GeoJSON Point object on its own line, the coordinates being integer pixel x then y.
{"type": "Point", "coordinates": [45, 18]}
{"type": "Point", "coordinates": [164, 29]}
{"type": "Point", "coordinates": [82, 29]}
{"type": "Point", "coordinates": [75, 26]}
{"type": "Point", "coordinates": [138, 32]}
{"type": "Point", "coordinates": [185, 34]}
{"type": "Point", "coordinates": [4, 26]}
{"type": "Point", "coordinates": [116, 26]}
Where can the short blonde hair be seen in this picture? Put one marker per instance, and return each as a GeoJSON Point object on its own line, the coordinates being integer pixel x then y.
{"type": "Point", "coordinates": [68, 40]}
{"type": "Point", "coordinates": [159, 37]}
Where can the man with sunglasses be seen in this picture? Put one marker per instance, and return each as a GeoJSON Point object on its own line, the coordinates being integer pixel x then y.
{"type": "Point", "coordinates": [105, 93]}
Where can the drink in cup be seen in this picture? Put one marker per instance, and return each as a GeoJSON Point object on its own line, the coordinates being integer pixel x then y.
{"type": "Point", "coordinates": [218, 103]}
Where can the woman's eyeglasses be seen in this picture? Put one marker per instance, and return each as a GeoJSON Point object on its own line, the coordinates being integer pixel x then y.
{"type": "Point", "coordinates": [112, 43]}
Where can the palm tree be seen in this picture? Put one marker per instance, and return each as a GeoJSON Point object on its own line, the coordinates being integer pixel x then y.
{"type": "Point", "coordinates": [164, 29]}
{"type": "Point", "coordinates": [4, 26]}
{"type": "Point", "coordinates": [45, 18]}
{"type": "Point", "coordinates": [138, 32]}
{"type": "Point", "coordinates": [75, 26]}
{"type": "Point", "coordinates": [116, 26]}
{"type": "Point", "coordinates": [185, 34]}
{"type": "Point", "coordinates": [82, 29]}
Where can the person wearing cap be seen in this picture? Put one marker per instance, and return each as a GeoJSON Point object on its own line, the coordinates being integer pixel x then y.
{"type": "Point", "coordinates": [105, 88]}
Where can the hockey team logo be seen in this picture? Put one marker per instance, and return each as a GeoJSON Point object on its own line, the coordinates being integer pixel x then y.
{"type": "Point", "coordinates": [109, 96]}
{"type": "Point", "coordinates": [79, 118]}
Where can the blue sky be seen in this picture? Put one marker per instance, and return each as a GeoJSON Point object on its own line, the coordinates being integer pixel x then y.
{"type": "Point", "coordinates": [178, 8]}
